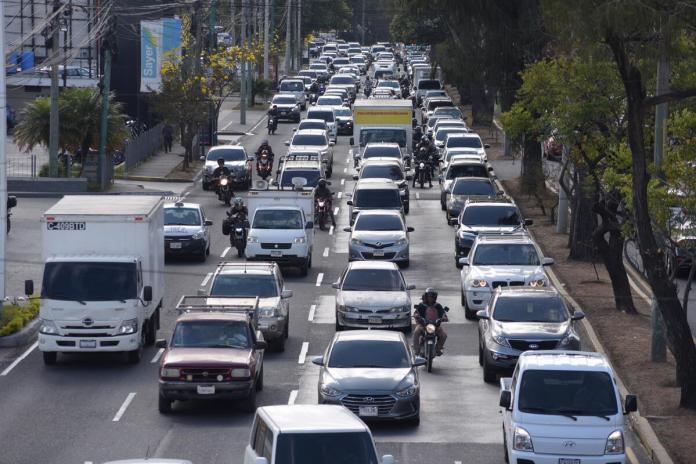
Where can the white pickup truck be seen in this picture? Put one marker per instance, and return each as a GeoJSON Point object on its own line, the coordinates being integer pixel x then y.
{"type": "Point", "coordinates": [282, 227]}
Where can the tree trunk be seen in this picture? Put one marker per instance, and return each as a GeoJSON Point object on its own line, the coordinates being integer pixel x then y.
{"type": "Point", "coordinates": [481, 105]}
{"type": "Point", "coordinates": [533, 181]}
{"type": "Point", "coordinates": [583, 221]}
{"type": "Point", "coordinates": [678, 332]}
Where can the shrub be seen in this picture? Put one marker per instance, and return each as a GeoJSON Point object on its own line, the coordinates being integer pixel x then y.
{"type": "Point", "coordinates": [16, 316]}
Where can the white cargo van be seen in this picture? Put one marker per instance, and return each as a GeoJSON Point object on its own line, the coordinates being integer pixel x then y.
{"type": "Point", "coordinates": [316, 434]}
{"type": "Point", "coordinates": [103, 279]}
{"type": "Point", "coordinates": [563, 407]}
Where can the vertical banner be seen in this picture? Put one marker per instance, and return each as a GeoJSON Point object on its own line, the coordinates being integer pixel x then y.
{"type": "Point", "coordinates": [150, 55]}
{"type": "Point", "coordinates": [171, 39]}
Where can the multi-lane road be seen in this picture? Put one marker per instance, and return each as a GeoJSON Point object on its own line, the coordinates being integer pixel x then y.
{"type": "Point", "coordinates": [95, 408]}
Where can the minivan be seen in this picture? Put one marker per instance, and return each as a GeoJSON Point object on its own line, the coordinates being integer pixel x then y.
{"type": "Point", "coordinates": [294, 87]}
{"type": "Point", "coordinates": [314, 433]}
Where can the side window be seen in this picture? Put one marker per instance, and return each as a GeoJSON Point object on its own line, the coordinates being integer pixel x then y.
{"type": "Point", "coordinates": [140, 274]}
{"type": "Point", "coordinates": [260, 436]}
{"type": "Point", "coordinates": [268, 446]}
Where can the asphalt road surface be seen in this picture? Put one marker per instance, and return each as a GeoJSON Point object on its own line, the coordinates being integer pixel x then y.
{"type": "Point", "coordinates": [96, 408]}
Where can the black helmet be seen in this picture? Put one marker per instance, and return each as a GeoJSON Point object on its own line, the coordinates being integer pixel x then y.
{"type": "Point", "coordinates": [430, 291]}
{"type": "Point", "coordinates": [221, 161]}
{"type": "Point", "coordinates": [321, 183]}
{"type": "Point", "coordinates": [423, 151]}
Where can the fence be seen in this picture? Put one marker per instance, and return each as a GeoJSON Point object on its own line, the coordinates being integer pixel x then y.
{"type": "Point", "coordinates": [141, 147]}
{"type": "Point", "coordinates": [23, 166]}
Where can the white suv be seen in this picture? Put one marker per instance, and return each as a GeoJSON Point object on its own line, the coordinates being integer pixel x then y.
{"type": "Point", "coordinates": [500, 260]}
{"type": "Point", "coordinates": [563, 407]}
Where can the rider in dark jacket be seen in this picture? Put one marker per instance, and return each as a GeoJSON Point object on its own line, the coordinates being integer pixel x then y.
{"type": "Point", "coordinates": [323, 192]}
{"type": "Point", "coordinates": [429, 300]}
{"type": "Point", "coordinates": [265, 146]}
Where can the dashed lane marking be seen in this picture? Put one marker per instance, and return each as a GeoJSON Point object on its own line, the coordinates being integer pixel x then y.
{"type": "Point", "coordinates": [326, 252]}
{"type": "Point", "coordinates": [631, 455]}
{"type": "Point", "coordinates": [331, 230]}
{"type": "Point", "coordinates": [293, 397]}
{"type": "Point", "coordinates": [336, 211]}
{"type": "Point", "coordinates": [417, 195]}
{"type": "Point", "coordinates": [18, 360]}
{"type": "Point", "coordinates": [224, 252]}
{"type": "Point", "coordinates": [124, 406]}
{"type": "Point", "coordinates": [340, 194]}
{"type": "Point", "coordinates": [345, 169]}
{"type": "Point", "coordinates": [206, 279]}
{"type": "Point", "coordinates": [320, 277]}
{"type": "Point", "coordinates": [303, 353]}
{"type": "Point", "coordinates": [343, 182]}
{"type": "Point", "coordinates": [157, 356]}
{"type": "Point", "coordinates": [312, 310]}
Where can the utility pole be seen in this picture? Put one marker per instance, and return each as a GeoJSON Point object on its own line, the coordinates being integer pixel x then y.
{"type": "Point", "coordinates": [658, 344]}
{"type": "Point", "coordinates": [299, 42]}
{"type": "Point", "coordinates": [266, 29]}
{"type": "Point", "coordinates": [251, 25]}
{"type": "Point", "coordinates": [54, 133]}
{"type": "Point", "coordinates": [3, 167]}
{"type": "Point", "coordinates": [288, 36]}
{"type": "Point", "coordinates": [233, 23]}
{"type": "Point", "coordinates": [362, 25]}
{"type": "Point", "coordinates": [242, 78]}
{"type": "Point", "coordinates": [107, 48]}
{"type": "Point", "coordinates": [212, 45]}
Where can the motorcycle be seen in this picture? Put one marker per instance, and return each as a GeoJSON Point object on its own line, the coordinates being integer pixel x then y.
{"type": "Point", "coordinates": [238, 232]}
{"type": "Point", "coordinates": [272, 124]}
{"type": "Point", "coordinates": [422, 174]}
{"type": "Point", "coordinates": [264, 165]}
{"type": "Point", "coordinates": [321, 211]}
{"type": "Point", "coordinates": [224, 189]}
{"type": "Point", "coordinates": [428, 341]}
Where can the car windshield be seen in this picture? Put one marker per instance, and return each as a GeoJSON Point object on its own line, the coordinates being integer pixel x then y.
{"type": "Point", "coordinates": [325, 448]}
{"type": "Point", "coordinates": [342, 80]}
{"type": "Point", "coordinates": [182, 217]}
{"type": "Point", "coordinates": [357, 59]}
{"type": "Point", "coordinates": [382, 151]}
{"type": "Point", "coordinates": [211, 334]}
{"type": "Point", "coordinates": [309, 139]}
{"type": "Point", "coordinates": [383, 73]}
{"type": "Point", "coordinates": [383, 136]}
{"type": "Point", "coordinates": [466, 170]}
{"type": "Point", "coordinates": [377, 198]}
{"type": "Point", "coordinates": [284, 101]}
{"type": "Point", "coordinates": [434, 119]}
{"type": "Point", "coordinates": [277, 219]}
{"type": "Point", "coordinates": [229, 154]}
{"type": "Point", "coordinates": [369, 353]}
{"type": "Point", "coordinates": [546, 308]}
{"type": "Point", "coordinates": [327, 116]}
{"type": "Point", "coordinates": [435, 93]}
{"type": "Point", "coordinates": [442, 134]}
{"type": "Point", "coordinates": [311, 175]}
{"type": "Point", "coordinates": [567, 392]}
{"type": "Point", "coordinates": [293, 86]}
{"type": "Point", "coordinates": [343, 112]}
{"type": "Point", "coordinates": [473, 187]}
{"type": "Point", "coordinates": [429, 84]}
{"type": "Point", "coordinates": [491, 216]}
{"type": "Point", "coordinates": [468, 142]}
{"type": "Point", "coordinates": [238, 285]}
{"type": "Point", "coordinates": [312, 125]}
{"type": "Point", "coordinates": [376, 280]}
{"type": "Point", "coordinates": [381, 222]}
{"type": "Point", "coordinates": [506, 254]}
{"type": "Point", "coordinates": [90, 281]}
{"type": "Point", "coordinates": [382, 172]}
{"type": "Point", "coordinates": [448, 110]}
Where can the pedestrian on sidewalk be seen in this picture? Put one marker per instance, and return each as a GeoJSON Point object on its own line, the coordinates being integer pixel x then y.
{"type": "Point", "coordinates": [167, 137]}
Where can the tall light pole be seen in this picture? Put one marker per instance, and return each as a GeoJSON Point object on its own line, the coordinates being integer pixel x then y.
{"type": "Point", "coordinates": [3, 166]}
{"type": "Point", "coordinates": [299, 40]}
{"type": "Point", "coordinates": [288, 36]}
{"type": "Point", "coordinates": [362, 25]}
{"type": "Point", "coordinates": [266, 30]}
{"type": "Point", "coordinates": [242, 80]}
{"type": "Point", "coordinates": [54, 134]}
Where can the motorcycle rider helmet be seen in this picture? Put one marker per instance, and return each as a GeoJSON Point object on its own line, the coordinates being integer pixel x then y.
{"type": "Point", "coordinates": [221, 162]}
{"type": "Point", "coordinates": [423, 151]}
{"type": "Point", "coordinates": [238, 202]}
{"type": "Point", "coordinates": [321, 183]}
{"type": "Point", "coordinates": [430, 291]}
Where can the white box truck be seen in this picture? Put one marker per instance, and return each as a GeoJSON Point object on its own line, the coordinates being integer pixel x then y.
{"type": "Point", "coordinates": [282, 227]}
{"type": "Point", "coordinates": [103, 280]}
{"type": "Point", "coordinates": [382, 121]}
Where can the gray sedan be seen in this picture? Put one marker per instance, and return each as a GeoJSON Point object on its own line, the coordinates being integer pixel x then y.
{"type": "Point", "coordinates": [379, 234]}
{"type": "Point", "coordinates": [373, 373]}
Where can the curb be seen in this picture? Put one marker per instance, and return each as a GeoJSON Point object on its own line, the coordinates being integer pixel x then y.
{"type": "Point", "coordinates": [22, 337]}
{"type": "Point", "coordinates": [154, 179]}
{"type": "Point", "coordinates": [61, 195]}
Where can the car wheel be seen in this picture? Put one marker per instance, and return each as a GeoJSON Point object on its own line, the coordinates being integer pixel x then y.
{"type": "Point", "coordinates": [164, 405]}
{"type": "Point", "coordinates": [406, 208]}
{"type": "Point", "coordinates": [286, 332]}
{"type": "Point", "coordinates": [405, 264]}
{"type": "Point", "coordinates": [415, 421]}
{"type": "Point", "coordinates": [468, 313]}
{"type": "Point", "coordinates": [505, 451]}
{"type": "Point", "coordinates": [50, 357]}
{"type": "Point", "coordinates": [250, 403]}
{"type": "Point", "coordinates": [259, 381]}
{"type": "Point", "coordinates": [279, 345]}
{"type": "Point", "coordinates": [151, 333]}
{"type": "Point", "coordinates": [136, 355]}
{"type": "Point", "coordinates": [407, 330]}
{"type": "Point", "coordinates": [202, 256]}
{"type": "Point", "coordinates": [304, 268]}
{"type": "Point", "coordinates": [489, 375]}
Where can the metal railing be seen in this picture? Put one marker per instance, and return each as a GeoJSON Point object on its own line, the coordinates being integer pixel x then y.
{"type": "Point", "coordinates": [142, 146]}
{"type": "Point", "coordinates": [23, 166]}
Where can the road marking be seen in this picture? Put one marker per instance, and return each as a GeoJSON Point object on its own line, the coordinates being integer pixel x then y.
{"type": "Point", "coordinates": [207, 278]}
{"type": "Point", "coordinates": [417, 195]}
{"type": "Point", "coordinates": [345, 169]}
{"type": "Point", "coordinates": [88, 462]}
{"type": "Point", "coordinates": [320, 277]}
{"type": "Point", "coordinates": [124, 406]}
{"type": "Point", "coordinates": [225, 251]}
{"type": "Point", "coordinates": [331, 230]}
{"type": "Point", "coordinates": [326, 252]}
{"type": "Point", "coordinates": [343, 181]}
{"type": "Point", "coordinates": [185, 195]}
{"type": "Point", "coordinates": [457, 462]}
{"type": "Point", "coordinates": [18, 360]}
{"type": "Point", "coordinates": [157, 356]}
{"type": "Point", "coordinates": [312, 310]}
{"type": "Point", "coordinates": [293, 397]}
{"type": "Point", "coordinates": [347, 160]}
{"type": "Point", "coordinates": [336, 211]}
{"type": "Point", "coordinates": [303, 353]}
{"type": "Point", "coordinates": [340, 194]}
{"type": "Point", "coordinates": [631, 455]}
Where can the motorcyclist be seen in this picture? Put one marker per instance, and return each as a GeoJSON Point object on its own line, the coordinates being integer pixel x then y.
{"type": "Point", "coordinates": [423, 317]}
{"type": "Point", "coordinates": [314, 90]}
{"type": "Point", "coordinates": [422, 156]}
{"type": "Point", "coordinates": [323, 192]}
{"type": "Point", "coordinates": [265, 146]}
{"type": "Point", "coordinates": [239, 213]}
{"type": "Point", "coordinates": [417, 135]}
{"type": "Point", "coordinates": [368, 86]}
{"type": "Point", "coordinates": [221, 170]}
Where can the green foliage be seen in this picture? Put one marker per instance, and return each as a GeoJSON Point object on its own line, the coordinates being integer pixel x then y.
{"type": "Point", "coordinates": [16, 316]}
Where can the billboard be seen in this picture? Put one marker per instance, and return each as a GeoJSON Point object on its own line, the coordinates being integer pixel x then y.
{"type": "Point", "coordinates": [160, 40]}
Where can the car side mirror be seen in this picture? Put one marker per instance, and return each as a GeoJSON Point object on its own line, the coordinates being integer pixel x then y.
{"type": "Point", "coordinates": [294, 129]}
{"type": "Point", "coordinates": [387, 459]}
{"type": "Point", "coordinates": [28, 287]}
{"type": "Point", "coordinates": [208, 222]}
{"type": "Point", "coordinates": [490, 168]}
{"type": "Point", "coordinates": [577, 315]}
{"type": "Point", "coordinates": [201, 292]}
{"type": "Point", "coordinates": [347, 229]}
{"type": "Point", "coordinates": [483, 314]}
{"type": "Point", "coordinates": [161, 343]}
{"type": "Point", "coordinates": [630, 404]}
{"type": "Point", "coordinates": [486, 146]}
{"type": "Point", "coordinates": [285, 294]}
{"type": "Point", "coordinates": [332, 143]}
{"type": "Point", "coordinates": [147, 293]}
{"type": "Point", "coordinates": [464, 261]}
{"type": "Point", "coordinates": [351, 141]}
{"type": "Point", "coordinates": [419, 361]}
{"type": "Point", "coordinates": [201, 158]}
{"type": "Point", "coordinates": [287, 143]}
{"type": "Point", "coordinates": [349, 202]}
{"type": "Point", "coordinates": [528, 222]}
{"type": "Point", "coordinates": [356, 177]}
{"type": "Point", "coordinates": [318, 360]}
{"type": "Point", "coordinates": [336, 285]}
{"type": "Point", "coordinates": [309, 225]}
{"type": "Point", "coordinates": [260, 345]}
{"type": "Point", "coordinates": [411, 287]}
{"type": "Point", "coordinates": [547, 261]}
{"type": "Point", "coordinates": [410, 229]}
{"type": "Point", "coordinates": [505, 399]}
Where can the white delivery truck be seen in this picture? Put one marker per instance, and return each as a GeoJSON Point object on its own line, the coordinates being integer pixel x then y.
{"type": "Point", "coordinates": [103, 280]}
{"type": "Point", "coordinates": [282, 226]}
{"type": "Point", "coordinates": [379, 121]}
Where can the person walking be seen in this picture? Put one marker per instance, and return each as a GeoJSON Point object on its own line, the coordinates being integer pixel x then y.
{"type": "Point", "coordinates": [167, 137]}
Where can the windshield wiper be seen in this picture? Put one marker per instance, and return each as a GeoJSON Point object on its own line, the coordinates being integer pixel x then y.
{"type": "Point", "coordinates": [583, 413]}
{"type": "Point", "coordinates": [223, 346]}
{"type": "Point", "coordinates": [359, 366]}
{"type": "Point", "coordinates": [559, 412]}
{"type": "Point", "coordinates": [65, 298]}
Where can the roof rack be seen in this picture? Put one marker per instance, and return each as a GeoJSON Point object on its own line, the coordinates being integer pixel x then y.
{"type": "Point", "coordinates": [207, 303]}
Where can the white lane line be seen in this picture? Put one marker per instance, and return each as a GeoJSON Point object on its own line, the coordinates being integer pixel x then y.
{"type": "Point", "coordinates": [336, 211]}
{"type": "Point", "coordinates": [185, 195]}
{"type": "Point", "coordinates": [457, 462]}
{"type": "Point", "coordinates": [88, 462]}
{"type": "Point", "coordinates": [417, 195]}
{"type": "Point", "coordinates": [207, 278]}
{"type": "Point", "coordinates": [320, 277]}
{"type": "Point", "coordinates": [157, 355]}
{"type": "Point", "coordinates": [343, 182]}
{"type": "Point", "coordinates": [18, 360]}
{"type": "Point", "coordinates": [340, 194]}
{"type": "Point", "coordinates": [326, 252]}
{"type": "Point", "coordinates": [303, 353]}
{"type": "Point", "coordinates": [312, 310]}
{"type": "Point", "coordinates": [331, 230]}
{"type": "Point", "coordinates": [124, 406]}
{"type": "Point", "coordinates": [293, 397]}
{"type": "Point", "coordinates": [345, 169]}
{"type": "Point", "coordinates": [347, 160]}
{"type": "Point", "coordinates": [224, 252]}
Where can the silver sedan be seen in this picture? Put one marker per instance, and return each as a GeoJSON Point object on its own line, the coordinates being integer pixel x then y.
{"type": "Point", "coordinates": [379, 234]}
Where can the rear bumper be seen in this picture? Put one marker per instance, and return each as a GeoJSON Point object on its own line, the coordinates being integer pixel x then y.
{"type": "Point", "coordinates": [187, 247]}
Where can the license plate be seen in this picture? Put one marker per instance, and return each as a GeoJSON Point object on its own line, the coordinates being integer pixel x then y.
{"type": "Point", "coordinates": [205, 389]}
{"type": "Point", "coordinates": [374, 320]}
{"type": "Point", "coordinates": [378, 253]}
{"type": "Point", "coordinates": [88, 343]}
{"type": "Point", "coordinates": [175, 245]}
{"type": "Point", "coordinates": [568, 461]}
{"type": "Point", "coordinates": [368, 411]}
{"type": "Point", "coordinates": [276, 253]}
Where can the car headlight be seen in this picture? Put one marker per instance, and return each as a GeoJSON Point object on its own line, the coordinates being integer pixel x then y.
{"type": "Point", "coordinates": [128, 326]}
{"type": "Point", "coordinates": [402, 241]}
{"type": "Point", "coordinates": [355, 241]}
{"type": "Point", "coordinates": [478, 283]}
{"type": "Point", "coordinates": [328, 391]}
{"type": "Point", "coordinates": [299, 240]}
{"type": "Point", "coordinates": [267, 312]}
{"type": "Point", "coordinates": [430, 328]}
{"type": "Point", "coordinates": [240, 373]}
{"type": "Point", "coordinates": [170, 373]}
{"type": "Point", "coordinates": [500, 340]}
{"type": "Point", "coordinates": [521, 441]}
{"type": "Point", "coordinates": [349, 309]}
{"type": "Point", "coordinates": [396, 309]}
{"type": "Point", "coordinates": [615, 443]}
{"type": "Point", "coordinates": [567, 340]}
{"type": "Point", "coordinates": [252, 239]}
{"type": "Point", "coordinates": [537, 283]}
{"type": "Point", "coordinates": [198, 235]}
{"type": "Point", "coordinates": [407, 392]}
{"type": "Point", "coordinates": [48, 327]}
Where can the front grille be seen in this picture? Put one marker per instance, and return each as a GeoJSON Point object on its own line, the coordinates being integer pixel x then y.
{"type": "Point", "coordinates": [91, 327]}
{"type": "Point", "coordinates": [504, 283]}
{"type": "Point", "coordinates": [87, 334]}
{"type": "Point", "coordinates": [367, 255]}
{"type": "Point", "coordinates": [523, 345]}
{"type": "Point", "coordinates": [379, 245]}
{"type": "Point", "coordinates": [384, 403]}
{"type": "Point", "coordinates": [204, 375]}
{"type": "Point", "coordinates": [276, 246]}
{"type": "Point", "coordinates": [179, 238]}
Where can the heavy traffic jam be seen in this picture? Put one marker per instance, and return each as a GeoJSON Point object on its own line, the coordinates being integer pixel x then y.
{"type": "Point", "coordinates": [363, 167]}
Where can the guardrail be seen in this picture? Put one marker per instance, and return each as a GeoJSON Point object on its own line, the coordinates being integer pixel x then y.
{"type": "Point", "coordinates": [142, 146]}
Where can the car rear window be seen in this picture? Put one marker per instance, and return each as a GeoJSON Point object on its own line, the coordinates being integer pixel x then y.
{"type": "Point", "coordinates": [467, 142]}
{"type": "Point", "coordinates": [377, 198]}
{"type": "Point", "coordinates": [429, 84]}
{"type": "Point", "coordinates": [291, 86]}
{"type": "Point", "coordinates": [438, 103]}
{"type": "Point", "coordinates": [311, 175]}
{"type": "Point", "coordinates": [473, 187]}
{"type": "Point", "coordinates": [380, 151]}
{"type": "Point", "coordinates": [369, 354]}
{"type": "Point", "coordinates": [342, 80]}
{"type": "Point", "coordinates": [327, 116]}
{"type": "Point", "coordinates": [378, 280]}
{"type": "Point", "coordinates": [308, 139]}
{"type": "Point", "coordinates": [467, 170]}
{"type": "Point", "coordinates": [312, 125]}
{"type": "Point", "coordinates": [493, 216]}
